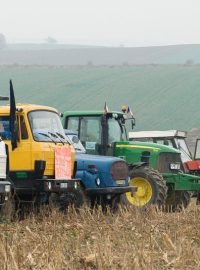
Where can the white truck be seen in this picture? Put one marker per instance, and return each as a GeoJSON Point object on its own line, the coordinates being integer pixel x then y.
{"type": "Point", "coordinates": [5, 184]}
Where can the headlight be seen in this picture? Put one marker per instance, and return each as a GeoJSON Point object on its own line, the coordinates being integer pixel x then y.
{"type": "Point", "coordinates": [75, 185]}
{"type": "Point", "coordinates": [119, 170]}
{"type": "Point", "coordinates": [49, 185]}
{"type": "Point", "coordinates": [98, 182]}
{"type": "Point", "coordinates": [7, 188]}
{"type": "Point", "coordinates": [175, 166]}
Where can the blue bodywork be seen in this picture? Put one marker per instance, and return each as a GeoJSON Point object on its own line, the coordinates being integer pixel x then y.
{"type": "Point", "coordinates": [95, 171]}
{"type": "Point", "coordinates": [102, 171]}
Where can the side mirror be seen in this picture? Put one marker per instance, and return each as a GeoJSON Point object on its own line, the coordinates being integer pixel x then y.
{"type": "Point", "coordinates": [133, 123]}
{"type": "Point", "coordinates": [4, 98]}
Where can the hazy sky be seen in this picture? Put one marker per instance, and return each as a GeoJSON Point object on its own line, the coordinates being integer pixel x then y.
{"type": "Point", "coordinates": [102, 22]}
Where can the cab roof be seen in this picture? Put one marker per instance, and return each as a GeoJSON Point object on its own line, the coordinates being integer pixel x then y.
{"type": "Point", "coordinates": [99, 113]}
{"type": "Point", "coordinates": [26, 108]}
{"type": "Point", "coordinates": [157, 134]}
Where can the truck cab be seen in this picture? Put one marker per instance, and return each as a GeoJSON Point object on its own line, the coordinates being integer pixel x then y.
{"type": "Point", "coordinates": [41, 163]}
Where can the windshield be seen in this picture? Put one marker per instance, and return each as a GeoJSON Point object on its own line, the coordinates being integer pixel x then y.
{"type": "Point", "coordinates": [185, 153]}
{"type": "Point", "coordinates": [45, 123]}
{"type": "Point", "coordinates": [76, 143]}
{"type": "Point", "coordinates": [4, 128]}
{"type": "Point", "coordinates": [114, 131]}
{"type": "Point", "coordinates": [197, 149]}
{"type": "Point", "coordinates": [128, 125]}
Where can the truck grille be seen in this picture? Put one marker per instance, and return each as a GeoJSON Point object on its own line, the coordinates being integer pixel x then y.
{"type": "Point", "coordinates": [119, 170]}
{"type": "Point", "coordinates": [164, 161]}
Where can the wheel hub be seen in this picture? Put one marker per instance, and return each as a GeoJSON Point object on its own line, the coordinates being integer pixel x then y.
{"type": "Point", "coordinates": [143, 194]}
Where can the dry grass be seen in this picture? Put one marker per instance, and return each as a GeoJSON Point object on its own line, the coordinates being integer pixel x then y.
{"type": "Point", "coordinates": [125, 240]}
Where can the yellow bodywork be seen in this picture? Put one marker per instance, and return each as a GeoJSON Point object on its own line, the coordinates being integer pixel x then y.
{"type": "Point", "coordinates": [28, 150]}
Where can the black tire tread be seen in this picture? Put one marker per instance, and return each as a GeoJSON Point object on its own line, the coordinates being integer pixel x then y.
{"type": "Point", "coordinates": [177, 200]}
{"type": "Point", "coordinates": [155, 176]}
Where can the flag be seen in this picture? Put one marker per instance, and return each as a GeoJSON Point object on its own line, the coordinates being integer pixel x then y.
{"type": "Point", "coordinates": [129, 112]}
{"type": "Point", "coordinates": [12, 117]}
{"type": "Point", "coordinates": [106, 109]}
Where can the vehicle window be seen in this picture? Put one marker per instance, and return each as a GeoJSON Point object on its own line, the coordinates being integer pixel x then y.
{"type": "Point", "coordinates": [43, 123]}
{"type": "Point", "coordinates": [4, 128]}
{"type": "Point", "coordinates": [167, 142]}
{"type": "Point", "coordinates": [75, 142]}
{"type": "Point", "coordinates": [24, 133]}
{"type": "Point", "coordinates": [114, 131]}
{"type": "Point", "coordinates": [197, 150]}
{"type": "Point", "coordinates": [128, 125]}
{"type": "Point", "coordinates": [73, 123]}
{"type": "Point", "coordinates": [142, 139]}
{"type": "Point", "coordinates": [185, 153]}
{"type": "Point", "coordinates": [90, 132]}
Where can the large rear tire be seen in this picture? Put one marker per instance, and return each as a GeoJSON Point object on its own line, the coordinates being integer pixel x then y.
{"type": "Point", "coordinates": [152, 189]}
{"type": "Point", "coordinates": [177, 200]}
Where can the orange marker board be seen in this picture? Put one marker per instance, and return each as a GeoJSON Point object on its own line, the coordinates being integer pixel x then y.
{"type": "Point", "coordinates": [63, 162]}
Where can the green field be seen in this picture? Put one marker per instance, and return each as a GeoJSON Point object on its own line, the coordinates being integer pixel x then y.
{"type": "Point", "coordinates": [161, 96]}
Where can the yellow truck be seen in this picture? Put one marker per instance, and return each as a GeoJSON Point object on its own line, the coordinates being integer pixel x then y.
{"type": "Point", "coordinates": [41, 164]}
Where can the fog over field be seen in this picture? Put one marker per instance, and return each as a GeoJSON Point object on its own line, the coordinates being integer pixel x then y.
{"type": "Point", "coordinates": [74, 55]}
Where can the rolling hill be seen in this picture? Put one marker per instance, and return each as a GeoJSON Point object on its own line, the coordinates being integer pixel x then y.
{"type": "Point", "coordinates": [161, 96]}
{"type": "Point", "coordinates": [71, 55]}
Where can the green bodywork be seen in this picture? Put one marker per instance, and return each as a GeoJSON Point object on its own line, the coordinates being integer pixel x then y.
{"type": "Point", "coordinates": [157, 156]}
{"type": "Point", "coordinates": [133, 152]}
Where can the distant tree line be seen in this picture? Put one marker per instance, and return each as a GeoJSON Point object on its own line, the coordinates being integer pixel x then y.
{"type": "Point", "coordinates": [3, 42]}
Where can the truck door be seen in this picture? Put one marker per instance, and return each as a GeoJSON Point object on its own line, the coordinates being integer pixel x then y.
{"type": "Point", "coordinates": [20, 157]}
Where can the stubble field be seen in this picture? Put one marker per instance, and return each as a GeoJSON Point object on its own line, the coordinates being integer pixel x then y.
{"type": "Point", "coordinates": [128, 239]}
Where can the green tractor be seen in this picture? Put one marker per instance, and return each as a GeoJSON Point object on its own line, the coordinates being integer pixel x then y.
{"type": "Point", "coordinates": [155, 169]}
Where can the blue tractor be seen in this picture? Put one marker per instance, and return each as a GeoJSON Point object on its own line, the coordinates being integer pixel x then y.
{"type": "Point", "coordinates": [103, 178]}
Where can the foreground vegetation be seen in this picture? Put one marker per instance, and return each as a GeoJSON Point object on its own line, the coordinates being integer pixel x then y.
{"type": "Point", "coordinates": [86, 240]}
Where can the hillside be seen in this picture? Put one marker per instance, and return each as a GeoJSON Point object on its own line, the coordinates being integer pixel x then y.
{"type": "Point", "coordinates": [161, 97]}
{"type": "Point", "coordinates": [72, 55]}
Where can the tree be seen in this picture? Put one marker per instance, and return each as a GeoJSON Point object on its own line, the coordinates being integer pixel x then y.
{"type": "Point", "coordinates": [3, 42]}
{"type": "Point", "coordinates": [189, 62]}
{"type": "Point", "coordinates": [51, 40]}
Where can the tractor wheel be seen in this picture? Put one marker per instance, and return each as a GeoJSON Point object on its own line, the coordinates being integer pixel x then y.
{"type": "Point", "coordinates": [177, 200]}
{"type": "Point", "coordinates": [105, 204]}
{"type": "Point", "coordinates": [76, 199]}
{"type": "Point", "coordinates": [114, 203]}
{"type": "Point", "coordinates": [151, 186]}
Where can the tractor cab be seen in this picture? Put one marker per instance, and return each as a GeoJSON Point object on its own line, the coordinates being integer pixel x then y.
{"type": "Point", "coordinates": [156, 169]}
{"type": "Point", "coordinates": [98, 131]}
{"type": "Point", "coordinates": [171, 138]}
